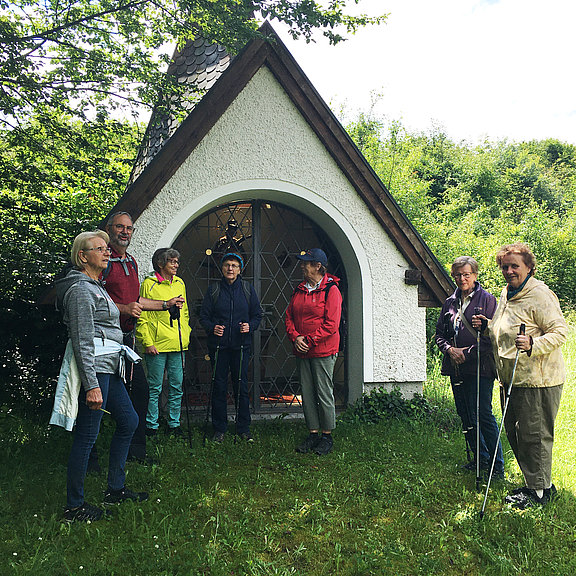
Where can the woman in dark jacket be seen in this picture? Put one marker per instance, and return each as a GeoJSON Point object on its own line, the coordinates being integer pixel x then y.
{"type": "Point", "coordinates": [458, 342]}
{"type": "Point", "coordinates": [230, 313]}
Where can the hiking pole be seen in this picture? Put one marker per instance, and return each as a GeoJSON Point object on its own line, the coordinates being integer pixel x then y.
{"type": "Point", "coordinates": [209, 403]}
{"type": "Point", "coordinates": [477, 310]}
{"type": "Point", "coordinates": [175, 314]}
{"type": "Point", "coordinates": [506, 402]}
{"type": "Point", "coordinates": [459, 397]}
{"type": "Point", "coordinates": [239, 382]}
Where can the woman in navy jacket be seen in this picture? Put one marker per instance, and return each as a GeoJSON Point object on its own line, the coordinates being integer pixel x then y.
{"type": "Point", "coordinates": [230, 312]}
{"type": "Point", "coordinates": [457, 340]}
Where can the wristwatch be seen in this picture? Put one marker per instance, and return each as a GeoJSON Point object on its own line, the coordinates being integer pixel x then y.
{"type": "Point", "coordinates": [164, 305]}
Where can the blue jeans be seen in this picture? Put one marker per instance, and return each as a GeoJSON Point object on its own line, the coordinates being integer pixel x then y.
{"type": "Point", "coordinates": [228, 361]}
{"type": "Point", "coordinates": [117, 402]}
{"type": "Point", "coordinates": [171, 362]}
{"type": "Point", "coordinates": [465, 400]}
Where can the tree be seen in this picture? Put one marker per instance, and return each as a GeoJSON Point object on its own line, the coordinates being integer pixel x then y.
{"type": "Point", "coordinates": [58, 177]}
{"type": "Point", "coordinates": [93, 55]}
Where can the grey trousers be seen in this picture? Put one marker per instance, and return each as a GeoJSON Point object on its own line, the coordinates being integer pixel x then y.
{"type": "Point", "coordinates": [529, 426]}
{"type": "Point", "coordinates": [318, 392]}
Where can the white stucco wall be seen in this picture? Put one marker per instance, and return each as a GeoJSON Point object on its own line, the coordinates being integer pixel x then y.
{"type": "Point", "coordinates": [263, 148]}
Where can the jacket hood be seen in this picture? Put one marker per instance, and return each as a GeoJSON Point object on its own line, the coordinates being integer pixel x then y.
{"type": "Point", "coordinates": [327, 279]}
{"type": "Point", "coordinates": [63, 284]}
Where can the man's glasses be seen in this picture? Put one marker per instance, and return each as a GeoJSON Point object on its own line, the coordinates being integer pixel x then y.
{"type": "Point", "coordinates": [100, 249]}
{"type": "Point", "coordinates": [121, 228]}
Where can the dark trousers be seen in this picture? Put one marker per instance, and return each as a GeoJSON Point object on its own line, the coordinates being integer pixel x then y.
{"type": "Point", "coordinates": [137, 387]}
{"type": "Point", "coordinates": [465, 400]}
{"type": "Point", "coordinates": [116, 401]}
{"type": "Point", "coordinates": [228, 362]}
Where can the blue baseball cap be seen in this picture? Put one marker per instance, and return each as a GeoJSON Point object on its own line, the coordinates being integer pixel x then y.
{"type": "Point", "coordinates": [314, 255]}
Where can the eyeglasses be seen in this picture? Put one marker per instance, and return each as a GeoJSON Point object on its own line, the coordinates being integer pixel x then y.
{"type": "Point", "coordinates": [121, 228]}
{"type": "Point", "coordinates": [173, 261]}
{"type": "Point", "coordinates": [100, 249]}
{"type": "Point", "coordinates": [231, 266]}
{"type": "Point", "coordinates": [463, 275]}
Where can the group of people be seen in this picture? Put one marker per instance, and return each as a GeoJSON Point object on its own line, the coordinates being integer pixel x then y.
{"type": "Point", "coordinates": [519, 339]}
{"type": "Point", "coordinates": [107, 311]}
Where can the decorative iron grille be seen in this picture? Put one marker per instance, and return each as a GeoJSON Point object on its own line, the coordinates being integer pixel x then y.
{"type": "Point", "coordinates": [268, 236]}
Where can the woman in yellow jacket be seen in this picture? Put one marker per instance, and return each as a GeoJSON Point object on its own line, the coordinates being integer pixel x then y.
{"type": "Point", "coordinates": [540, 373]}
{"type": "Point", "coordinates": [160, 339]}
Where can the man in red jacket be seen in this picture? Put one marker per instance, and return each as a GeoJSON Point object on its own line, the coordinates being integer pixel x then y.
{"type": "Point", "coordinates": [312, 324]}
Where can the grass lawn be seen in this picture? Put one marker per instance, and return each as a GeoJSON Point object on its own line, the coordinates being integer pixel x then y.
{"type": "Point", "coordinates": [389, 500]}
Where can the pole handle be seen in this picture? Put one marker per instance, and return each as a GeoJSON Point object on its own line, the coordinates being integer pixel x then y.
{"type": "Point", "coordinates": [522, 331]}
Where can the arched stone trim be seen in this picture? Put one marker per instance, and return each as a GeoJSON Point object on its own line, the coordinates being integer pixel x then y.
{"type": "Point", "coordinates": [331, 220]}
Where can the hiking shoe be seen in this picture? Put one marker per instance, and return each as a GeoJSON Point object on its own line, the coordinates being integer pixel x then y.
{"type": "Point", "coordinates": [176, 432]}
{"type": "Point", "coordinates": [151, 432]}
{"type": "Point", "coordinates": [325, 445]}
{"type": "Point", "coordinates": [308, 444]}
{"type": "Point", "coordinates": [84, 513]}
{"type": "Point", "coordinates": [247, 437]}
{"type": "Point", "coordinates": [528, 498]}
{"type": "Point", "coordinates": [118, 496]}
{"type": "Point", "coordinates": [496, 475]}
{"type": "Point", "coordinates": [218, 437]}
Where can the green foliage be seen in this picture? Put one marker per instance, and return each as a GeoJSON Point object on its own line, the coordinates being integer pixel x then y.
{"type": "Point", "coordinates": [94, 55]}
{"type": "Point", "coordinates": [50, 192]}
{"type": "Point", "coordinates": [390, 499]}
{"type": "Point", "coordinates": [382, 404]}
{"type": "Point", "coordinates": [472, 200]}
{"type": "Point", "coordinates": [32, 342]}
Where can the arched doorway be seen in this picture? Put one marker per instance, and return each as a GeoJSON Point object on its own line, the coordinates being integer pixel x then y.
{"type": "Point", "coordinates": [267, 234]}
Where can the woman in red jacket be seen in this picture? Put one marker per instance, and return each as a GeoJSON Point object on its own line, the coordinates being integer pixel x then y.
{"type": "Point", "coordinates": [312, 324]}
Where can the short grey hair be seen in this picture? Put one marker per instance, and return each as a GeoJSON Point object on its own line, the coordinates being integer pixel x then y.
{"type": "Point", "coordinates": [462, 261]}
{"type": "Point", "coordinates": [115, 215]}
{"type": "Point", "coordinates": [161, 257]}
{"type": "Point", "coordinates": [82, 242]}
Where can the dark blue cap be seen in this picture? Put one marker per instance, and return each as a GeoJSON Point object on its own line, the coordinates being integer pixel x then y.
{"type": "Point", "coordinates": [314, 255]}
{"type": "Point", "coordinates": [229, 256]}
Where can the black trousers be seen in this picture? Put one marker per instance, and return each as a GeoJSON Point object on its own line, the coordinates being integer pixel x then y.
{"type": "Point", "coordinates": [137, 387]}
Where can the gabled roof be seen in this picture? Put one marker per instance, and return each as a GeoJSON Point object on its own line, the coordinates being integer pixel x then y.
{"type": "Point", "coordinates": [434, 282]}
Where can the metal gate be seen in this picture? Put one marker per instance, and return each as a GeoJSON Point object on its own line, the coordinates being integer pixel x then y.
{"type": "Point", "coordinates": [267, 235]}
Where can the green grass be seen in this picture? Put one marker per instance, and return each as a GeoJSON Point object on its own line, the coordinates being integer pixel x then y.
{"type": "Point", "coordinates": [388, 500]}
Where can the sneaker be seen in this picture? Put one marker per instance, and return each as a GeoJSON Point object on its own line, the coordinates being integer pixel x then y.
{"type": "Point", "coordinates": [84, 513]}
{"type": "Point", "coordinates": [325, 445]}
{"type": "Point", "coordinates": [308, 444]}
{"type": "Point", "coordinates": [146, 461]}
{"type": "Point", "coordinates": [176, 432]}
{"type": "Point", "coordinates": [496, 474]}
{"type": "Point", "coordinates": [528, 498]}
{"type": "Point", "coordinates": [118, 496]}
{"type": "Point", "coordinates": [247, 437]}
{"type": "Point", "coordinates": [218, 437]}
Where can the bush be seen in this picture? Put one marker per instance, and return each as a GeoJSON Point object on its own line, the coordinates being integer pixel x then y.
{"type": "Point", "coordinates": [32, 343]}
{"type": "Point", "coordinates": [381, 404]}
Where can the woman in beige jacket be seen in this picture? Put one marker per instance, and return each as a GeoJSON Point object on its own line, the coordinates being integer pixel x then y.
{"type": "Point", "coordinates": [540, 372]}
